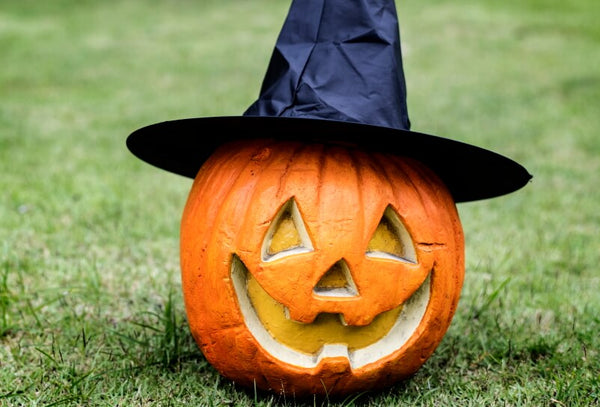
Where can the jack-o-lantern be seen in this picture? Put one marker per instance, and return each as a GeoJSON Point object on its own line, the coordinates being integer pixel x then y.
{"type": "Point", "coordinates": [321, 248]}
{"type": "Point", "coordinates": [310, 268]}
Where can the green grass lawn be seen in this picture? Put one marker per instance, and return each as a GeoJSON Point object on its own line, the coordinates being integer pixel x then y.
{"type": "Point", "coordinates": [91, 311]}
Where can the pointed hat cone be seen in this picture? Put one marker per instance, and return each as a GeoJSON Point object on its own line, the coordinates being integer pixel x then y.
{"type": "Point", "coordinates": [335, 76]}
{"type": "Point", "coordinates": [337, 60]}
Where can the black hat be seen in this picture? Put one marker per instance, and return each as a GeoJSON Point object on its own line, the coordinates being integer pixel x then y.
{"type": "Point", "coordinates": [335, 76]}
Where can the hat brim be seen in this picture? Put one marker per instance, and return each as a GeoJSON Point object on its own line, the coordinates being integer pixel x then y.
{"type": "Point", "coordinates": [470, 173]}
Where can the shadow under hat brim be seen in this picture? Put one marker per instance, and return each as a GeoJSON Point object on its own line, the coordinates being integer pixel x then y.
{"type": "Point", "coordinates": [471, 173]}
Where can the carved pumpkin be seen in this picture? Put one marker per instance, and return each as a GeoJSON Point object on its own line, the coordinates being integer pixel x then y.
{"type": "Point", "coordinates": [311, 268]}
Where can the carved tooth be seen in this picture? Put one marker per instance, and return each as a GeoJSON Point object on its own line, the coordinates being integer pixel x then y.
{"type": "Point", "coordinates": [333, 350]}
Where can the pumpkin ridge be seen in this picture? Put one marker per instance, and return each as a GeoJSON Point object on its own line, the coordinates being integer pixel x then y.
{"type": "Point", "coordinates": [320, 161]}
{"type": "Point", "coordinates": [400, 163]}
{"type": "Point", "coordinates": [302, 152]}
{"type": "Point", "coordinates": [435, 196]}
{"type": "Point", "coordinates": [211, 173]}
{"type": "Point", "coordinates": [421, 188]}
{"type": "Point", "coordinates": [378, 168]}
{"type": "Point", "coordinates": [380, 164]}
{"type": "Point", "coordinates": [342, 212]}
{"type": "Point", "coordinates": [369, 165]}
{"type": "Point", "coordinates": [280, 151]}
{"type": "Point", "coordinates": [358, 165]}
{"type": "Point", "coordinates": [244, 153]}
{"type": "Point", "coordinates": [297, 148]}
{"type": "Point", "coordinates": [431, 178]}
{"type": "Point", "coordinates": [449, 206]}
{"type": "Point", "coordinates": [208, 172]}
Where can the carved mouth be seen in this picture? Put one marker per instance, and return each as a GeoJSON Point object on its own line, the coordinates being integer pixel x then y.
{"type": "Point", "coordinates": [305, 345]}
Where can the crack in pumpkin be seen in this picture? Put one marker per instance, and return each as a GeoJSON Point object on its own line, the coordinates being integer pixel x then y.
{"type": "Point", "coordinates": [430, 246]}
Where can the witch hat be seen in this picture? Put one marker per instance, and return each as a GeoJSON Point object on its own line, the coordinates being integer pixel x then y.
{"type": "Point", "coordinates": [335, 76]}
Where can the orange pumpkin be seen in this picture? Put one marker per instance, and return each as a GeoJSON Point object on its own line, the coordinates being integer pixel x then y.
{"type": "Point", "coordinates": [318, 269]}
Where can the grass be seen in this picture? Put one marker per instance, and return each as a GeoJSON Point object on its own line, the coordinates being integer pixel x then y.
{"type": "Point", "coordinates": [90, 304]}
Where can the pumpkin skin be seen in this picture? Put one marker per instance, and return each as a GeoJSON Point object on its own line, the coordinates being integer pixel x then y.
{"type": "Point", "coordinates": [393, 303]}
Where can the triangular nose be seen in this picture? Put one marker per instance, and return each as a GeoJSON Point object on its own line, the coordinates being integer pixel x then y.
{"type": "Point", "coordinates": [336, 282]}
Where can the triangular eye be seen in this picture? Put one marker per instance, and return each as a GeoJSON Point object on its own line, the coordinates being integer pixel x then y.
{"type": "Point", "coordinates": [286, 235]}
{"type": "Point", "coordinates": [391, 239]}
